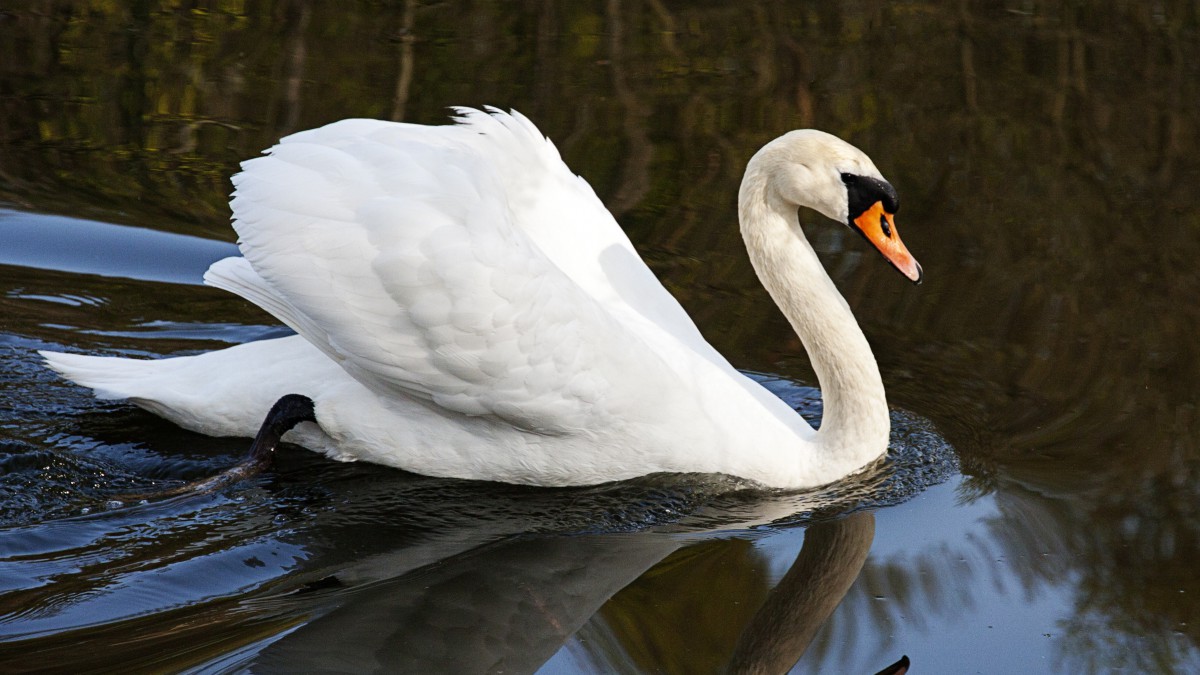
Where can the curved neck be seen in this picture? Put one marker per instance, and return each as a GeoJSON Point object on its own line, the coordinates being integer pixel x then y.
{"type": "Point", "coordinates": [855, 425]}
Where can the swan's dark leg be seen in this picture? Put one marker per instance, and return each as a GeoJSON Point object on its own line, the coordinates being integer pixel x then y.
{"type": "Point", "coordinates": [285, 414]}
{"type": "Point", "coordinates": [898, 668]}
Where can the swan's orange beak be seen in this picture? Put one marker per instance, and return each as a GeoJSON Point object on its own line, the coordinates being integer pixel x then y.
{"type": "Point", "coordinates": [879, 227]}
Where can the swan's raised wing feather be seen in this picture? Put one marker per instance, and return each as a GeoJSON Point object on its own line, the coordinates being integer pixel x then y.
{"type": "Point", "coordinates": [395, 250]}
{"type": "Point", "coordinates": [561, 213]}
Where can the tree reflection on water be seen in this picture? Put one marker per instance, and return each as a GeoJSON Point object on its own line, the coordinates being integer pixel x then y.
{"type": "Point", "coordinates": [1046, 154]}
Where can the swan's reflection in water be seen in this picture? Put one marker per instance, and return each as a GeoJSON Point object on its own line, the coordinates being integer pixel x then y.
{"type": "Point", "coordinates": [830, 560]}
{"type": "Point", "coordinates": [511, 606]}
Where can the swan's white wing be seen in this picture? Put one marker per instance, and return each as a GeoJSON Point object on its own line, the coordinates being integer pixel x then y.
{"type": "Point", "coordinates": [395, 250]}
{"type": "Point", "coordinates": [562, 215]}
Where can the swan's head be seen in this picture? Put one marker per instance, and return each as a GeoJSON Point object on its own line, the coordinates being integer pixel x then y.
{"type": "Point", "coordinates": [821, 171]}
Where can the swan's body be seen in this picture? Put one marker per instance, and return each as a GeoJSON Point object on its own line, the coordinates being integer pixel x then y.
{"type": "Point", "coordinates": [466, 307]}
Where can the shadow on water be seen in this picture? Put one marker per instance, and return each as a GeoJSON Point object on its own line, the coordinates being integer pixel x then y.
{"type": "Point", "coordinates": [1046, 155]}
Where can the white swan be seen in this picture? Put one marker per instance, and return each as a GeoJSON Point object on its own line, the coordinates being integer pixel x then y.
{"type": "Point", "coordinates": [466, 307]}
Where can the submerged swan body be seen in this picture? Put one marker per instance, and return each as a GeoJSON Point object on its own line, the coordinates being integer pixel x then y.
{"type": "Point", "coordinates": [466, 307]}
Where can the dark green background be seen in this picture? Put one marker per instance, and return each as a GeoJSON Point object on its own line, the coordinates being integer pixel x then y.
{"type": "Point", "coordinates": [1047, 155]}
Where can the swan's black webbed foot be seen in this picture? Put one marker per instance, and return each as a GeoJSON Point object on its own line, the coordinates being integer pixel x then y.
{"type": "Point", "coordinates": [287, 412]}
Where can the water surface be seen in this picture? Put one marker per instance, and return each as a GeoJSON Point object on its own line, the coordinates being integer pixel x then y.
{"type": "Point", "coordinates": [1038, 509]}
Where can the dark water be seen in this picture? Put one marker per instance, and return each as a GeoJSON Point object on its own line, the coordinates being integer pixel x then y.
{"type": "Point", "coordinates": [1040, 507]}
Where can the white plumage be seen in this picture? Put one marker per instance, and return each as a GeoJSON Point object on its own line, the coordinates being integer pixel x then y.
{"type": "Point", "coordinates": [466, 306]}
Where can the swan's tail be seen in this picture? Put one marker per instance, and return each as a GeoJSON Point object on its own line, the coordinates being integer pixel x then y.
{"type": "Point", "coordinates": [108, 377]}
{"type": "Point", "coordinates": [220, 393]}
{"type": "Point", "coordinates": [173, 388]}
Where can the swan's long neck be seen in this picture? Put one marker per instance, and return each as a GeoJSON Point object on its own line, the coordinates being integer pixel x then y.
{"type": "Point", "coordinates": [855, 426]}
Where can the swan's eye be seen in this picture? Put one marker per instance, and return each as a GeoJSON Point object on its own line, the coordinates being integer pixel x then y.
{"type": "Point", "coordinates": [885, 226]}
{"type": "Point", "coordinates": [849, 178]}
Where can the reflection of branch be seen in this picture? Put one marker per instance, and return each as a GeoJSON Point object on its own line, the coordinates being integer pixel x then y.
{"type": "Point", "coordinates": [1058, 108]}
{"type": "Point", "coordinates": [635, 176]}
{"type": "Point", "coordinates": [546, 67]}
{"type": "Point", "coordinates": [767, 73]}
{"type": "Point", "coordinates": [296, 53]}
{"type": "Point", "coordinates": [404, 79]}
{"type": "Point", "coordinates": [1174, 117]}
{"type": "Point", "coordinates": [966, 46]}
{"type": "Point", "coordinates": [830, 560]}
{"type": "Point", "coordinates": [668, 31]}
